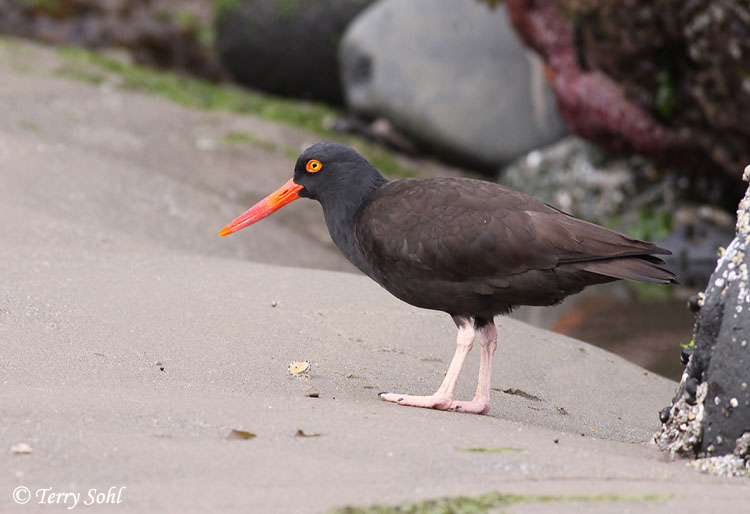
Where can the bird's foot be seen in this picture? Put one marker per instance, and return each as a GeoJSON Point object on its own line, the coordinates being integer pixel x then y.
{"type": "Point", "coordinates": [475, 406]}
{"type": "Point", "coordinates": [440, 402]}
{"type": "Point", "coordinates": [435, 401]}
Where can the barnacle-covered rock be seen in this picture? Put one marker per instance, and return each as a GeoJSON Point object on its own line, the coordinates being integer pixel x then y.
{"type": "Point", "coordinates": [720, 360]}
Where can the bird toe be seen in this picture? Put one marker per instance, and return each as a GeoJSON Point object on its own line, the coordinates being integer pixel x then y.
{"type": "Point", "coordinates": [472, 407]}
{"type": "Point", "coordinates": [435, 401]}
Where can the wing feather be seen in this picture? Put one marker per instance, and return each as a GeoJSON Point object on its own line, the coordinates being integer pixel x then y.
{"type": "Point", "coordinates": [457, 229]}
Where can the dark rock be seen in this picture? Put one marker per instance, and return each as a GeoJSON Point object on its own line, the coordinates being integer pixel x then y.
{"type": "Point", "coordinates": [717, 373]}
{"type": "Point", "coordinates": [728, 401]}
{"type": "Point", "coordinates": [722, 342]}
{"type": "Point", "coordinates": [452, 75]}
{"type": "Point", "coordinates": [664, 414]}
{"type": "Point", "coordinates": [287, 48]}
{"type": "Point", "coordinates": [151, 32]}
{"type": "Point", "coordinates": [667, 80]}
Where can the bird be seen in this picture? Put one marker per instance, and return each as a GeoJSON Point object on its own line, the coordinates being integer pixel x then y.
{"type": "Point", "coordinates": [471, 248]}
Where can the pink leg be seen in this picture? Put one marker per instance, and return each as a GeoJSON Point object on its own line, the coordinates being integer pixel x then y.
{"type": "Point", "coordinates": [443, 397]}
{"type": "Point", "coordinates": [481, 402]}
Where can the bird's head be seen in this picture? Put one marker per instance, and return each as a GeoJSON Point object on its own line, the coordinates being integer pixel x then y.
{"type": "Point", "coordinates": [325, 172]}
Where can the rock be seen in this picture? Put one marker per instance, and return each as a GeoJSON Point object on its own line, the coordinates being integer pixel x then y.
{"type": "Point", "coordinates": [726, 465]}
{"type": "Point", "coordinates": [634, 195]}
{"type": "Point", "coordinates": [287, 48]}
{"type": "Point", "coordinates": [721, 356]}
{"type": "Point", "coordinates": [667, 79]}
{"type": "Point", "coordinates": [682, 431]}
{"type": "Point", "coordinates": [728, 359]}
{"type": "Point", "coordinates": [452, 75]}
{"type": "Point", "coordinates": [581, 179]}
{"type": "Point", "coordinates": [155, 32]}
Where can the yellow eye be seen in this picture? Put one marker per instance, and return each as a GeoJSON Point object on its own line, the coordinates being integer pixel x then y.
{"type": "Point", "coordinates": [313, 166]}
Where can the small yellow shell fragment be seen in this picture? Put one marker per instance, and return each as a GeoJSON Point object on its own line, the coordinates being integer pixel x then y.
{"type": "Point", "coordinates": [299, 368]}
{"type": "Point", "coordinates": [240, 434]}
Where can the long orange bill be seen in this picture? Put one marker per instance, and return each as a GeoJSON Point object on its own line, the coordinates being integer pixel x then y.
{"type": "Point", "coordinates": [270, 204]}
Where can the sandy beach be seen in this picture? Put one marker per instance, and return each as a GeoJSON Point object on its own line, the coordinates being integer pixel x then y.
{"type": "Point", "coordinates": [134, 341]}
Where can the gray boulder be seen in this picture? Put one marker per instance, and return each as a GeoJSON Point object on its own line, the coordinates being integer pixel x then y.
{"type": "Point", "coordinates": [287, 48]}
{"type": "Point", "coordinates": [452, 75]}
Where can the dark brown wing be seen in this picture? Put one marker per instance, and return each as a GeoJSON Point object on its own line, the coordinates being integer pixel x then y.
{"type": "Point", "coordinates": [480, 233]}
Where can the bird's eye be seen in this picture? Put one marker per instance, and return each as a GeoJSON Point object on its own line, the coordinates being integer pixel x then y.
{"type": "Point", "coordinates": [313, 166]}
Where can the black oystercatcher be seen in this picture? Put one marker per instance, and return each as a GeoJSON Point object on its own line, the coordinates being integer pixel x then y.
{"type": "Point", "coordinates": [471, 248]}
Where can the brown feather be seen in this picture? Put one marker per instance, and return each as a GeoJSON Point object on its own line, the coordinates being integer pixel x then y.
{"type": "Point", "coordinates": [477, 248]}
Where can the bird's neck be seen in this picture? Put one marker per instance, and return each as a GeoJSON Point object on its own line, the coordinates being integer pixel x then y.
{"type": "Point", "coordinates": [341, 215]}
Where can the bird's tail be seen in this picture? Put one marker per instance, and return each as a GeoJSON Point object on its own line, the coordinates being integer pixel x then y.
{"type": "Point", "coordinates": [644, 268]}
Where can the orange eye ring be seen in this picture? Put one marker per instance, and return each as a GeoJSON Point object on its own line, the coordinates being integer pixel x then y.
{"type": "Point", "coordinates": [313, 166]}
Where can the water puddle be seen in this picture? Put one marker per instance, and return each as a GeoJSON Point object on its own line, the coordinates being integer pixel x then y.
{"type": "Point", "coordinates": [646, 332]}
